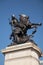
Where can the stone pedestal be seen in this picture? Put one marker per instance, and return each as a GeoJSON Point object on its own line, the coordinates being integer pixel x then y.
{"type": "Point", "coordinates": [22, 54]}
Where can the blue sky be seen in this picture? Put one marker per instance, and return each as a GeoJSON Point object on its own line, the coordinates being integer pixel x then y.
{"type": "Point", "coordinates": [32, 8]}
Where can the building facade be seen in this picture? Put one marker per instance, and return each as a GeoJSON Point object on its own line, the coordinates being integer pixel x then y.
{"type": "Point", "coordinates": [41, 62]}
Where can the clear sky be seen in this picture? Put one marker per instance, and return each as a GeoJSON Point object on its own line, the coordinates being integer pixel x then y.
{"type": "Point", "coordinates": [32, 8]}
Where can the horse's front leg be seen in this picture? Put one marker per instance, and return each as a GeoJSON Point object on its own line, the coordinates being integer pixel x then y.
{"type": "Point", "coordinates": [35, 29]}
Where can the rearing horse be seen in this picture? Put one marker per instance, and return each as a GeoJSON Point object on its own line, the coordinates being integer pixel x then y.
{"type": "Point", "coordinates": [19, 29]}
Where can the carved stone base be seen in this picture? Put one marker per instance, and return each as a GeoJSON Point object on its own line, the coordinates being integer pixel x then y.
{"type": "Point", "coordinates": [22, 54]}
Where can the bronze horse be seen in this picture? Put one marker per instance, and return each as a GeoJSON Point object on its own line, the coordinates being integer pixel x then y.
{"type": "Point", "coordinates": [19, 29]}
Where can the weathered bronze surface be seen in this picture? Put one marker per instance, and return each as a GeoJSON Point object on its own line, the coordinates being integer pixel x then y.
{"type": "Point", "coordinates": [20, 27]}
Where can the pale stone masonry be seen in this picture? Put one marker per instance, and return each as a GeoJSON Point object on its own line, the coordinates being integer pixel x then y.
{"type": "Point", "coordinates": [22, 54]}
{"type": "Point", "coordinates": [41, 62]}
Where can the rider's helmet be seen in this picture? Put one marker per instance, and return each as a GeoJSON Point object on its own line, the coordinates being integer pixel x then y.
{"type": "Point", "coordinates": [24, 18]}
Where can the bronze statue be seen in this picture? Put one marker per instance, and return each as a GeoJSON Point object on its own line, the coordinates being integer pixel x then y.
{"type": "Point", "coordinates": [20, 27]}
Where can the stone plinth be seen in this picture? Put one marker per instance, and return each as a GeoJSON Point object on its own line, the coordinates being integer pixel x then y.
{"type": "Point", "coordinates": [22, 54]}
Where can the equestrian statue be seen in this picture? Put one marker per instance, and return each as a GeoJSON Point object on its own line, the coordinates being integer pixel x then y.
{"type": "Point", "coordinates": [20, 27]}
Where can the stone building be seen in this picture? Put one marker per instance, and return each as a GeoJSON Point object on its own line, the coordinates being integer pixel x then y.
{"type": "Point", "coordinates": [41, 62]}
